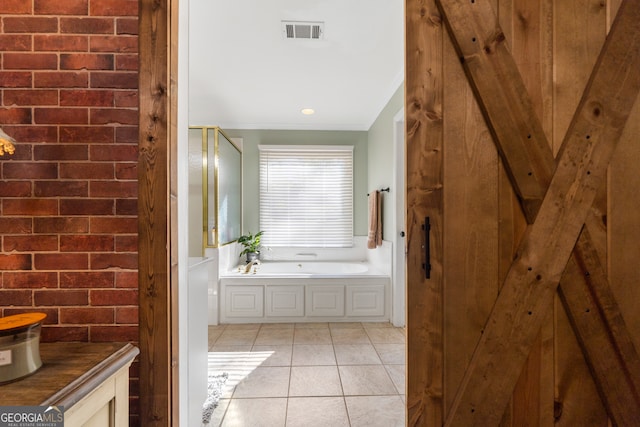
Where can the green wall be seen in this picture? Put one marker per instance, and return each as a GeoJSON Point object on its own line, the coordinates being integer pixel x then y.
{"type": "Point", "coordinates": [381, 158]}
{"type": "Point", "coordinates": [250, 157]}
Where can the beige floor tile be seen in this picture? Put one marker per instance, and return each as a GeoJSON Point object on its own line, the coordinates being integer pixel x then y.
{"type": "Point", "coordinates": [264, 382]}
{"type": "Point", "coordinates": [275, 337]}
{"type": "Point", "coordinates": [312, 336]}
{"type": "Point", "coordinates": [386, 335]}
{"type": "Point", "coordinates": [366, 380]}
{"type": "Point", "coordinates": [268, 326]}
{"type": "Point", "coordinates": [349, 336]}
{"type": "Point", "coordinates": [356, 354]}
{"type": "Point", "coordinates": [314, 381]}
{"type": "Point", "coordinates": [276, 355]}
{"type": "Point", "coordinates": [310, 325]}
{"type": "Point", "coordinates": [369, 325]}
{"type": "Point", "coordinates": [342, 325]}
{"type": "Point", "coordinates": [317, 412]}
{"type": "Point", "coordinates": [313, 355]}
{"type": "Point", "coordinates": [236, 337]}
{"type": "Point", "coordinates": [397, 374]}
{"type": "Point", "coordinates": [218, 413]}
{"type": "Point", "coordinates": [391, 354]}
{"type": "Point", "coordinates": [243, 327]}
{"type": "Point", "coordinates": [376, 411]}
{"type": "Point", "coordinates": [214, 334]}
{"type": "Point", "coordinates": [256, 413]}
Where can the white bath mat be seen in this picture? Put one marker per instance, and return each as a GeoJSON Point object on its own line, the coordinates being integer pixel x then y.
{"type": "Point", "coordinates": [215, 387]}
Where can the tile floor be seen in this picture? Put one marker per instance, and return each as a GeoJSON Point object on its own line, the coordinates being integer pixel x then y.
{"type": "Point", "coordinates": [309, 374]}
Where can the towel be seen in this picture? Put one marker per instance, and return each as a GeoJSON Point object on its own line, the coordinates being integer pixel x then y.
{"type": "Point", "coordinates": [374, 236]}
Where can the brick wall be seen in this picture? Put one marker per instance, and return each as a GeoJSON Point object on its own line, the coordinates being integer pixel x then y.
{"type": "Point", "coordinates": [68, 223]}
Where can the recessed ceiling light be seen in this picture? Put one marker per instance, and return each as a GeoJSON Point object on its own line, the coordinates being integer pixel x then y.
{"type": "Point", "coordinates": [308, 111]}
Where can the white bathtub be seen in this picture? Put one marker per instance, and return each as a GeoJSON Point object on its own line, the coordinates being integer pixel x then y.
{"type": "Point", "coordinates": [305, 291]}
{"type": "Point", "coordinates": [311, 269]}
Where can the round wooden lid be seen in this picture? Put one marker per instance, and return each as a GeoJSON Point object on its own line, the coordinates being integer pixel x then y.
{"type": "Point", "coordinates": [18, 321]}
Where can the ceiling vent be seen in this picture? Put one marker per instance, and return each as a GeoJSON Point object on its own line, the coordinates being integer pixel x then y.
{"type": "Point", "coordinates": [303, 30]}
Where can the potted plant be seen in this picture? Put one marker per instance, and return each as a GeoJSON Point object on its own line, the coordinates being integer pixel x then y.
{"type": "Point", "coordinates": [251, 243]}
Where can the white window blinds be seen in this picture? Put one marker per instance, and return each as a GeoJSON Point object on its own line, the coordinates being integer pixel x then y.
{"type": "Point", "coordinates": [306, 195]}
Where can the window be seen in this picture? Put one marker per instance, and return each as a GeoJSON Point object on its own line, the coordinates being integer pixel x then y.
{"type": "Point", "coordinates": [306, 195]}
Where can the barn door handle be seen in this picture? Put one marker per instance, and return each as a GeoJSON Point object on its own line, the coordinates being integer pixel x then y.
{"type": "Point", "coordinates": [427, 259]}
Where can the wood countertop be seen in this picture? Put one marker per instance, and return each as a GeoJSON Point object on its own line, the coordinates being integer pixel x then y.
{"type": "Point", "coordinates": [69, 372]}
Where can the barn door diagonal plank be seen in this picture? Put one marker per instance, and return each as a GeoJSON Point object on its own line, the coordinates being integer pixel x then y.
{"type": "Point", "coordinates": [533, 277]}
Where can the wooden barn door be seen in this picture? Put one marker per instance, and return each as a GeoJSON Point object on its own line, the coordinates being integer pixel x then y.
{"type": "Point", "coordinates": [522, 214]}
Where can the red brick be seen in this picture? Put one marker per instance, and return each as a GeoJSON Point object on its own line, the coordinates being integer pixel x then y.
{"type": "Point", "coordinates": [126, 170]}
{"type": "Point", "coordinates": [15, 262]}
{"type": "Point", "coordinates": [114, 44]}
{"type": "Point", "coordinates": [15, 225]}
{"type": "Point", "coordinates": [103, 297]}
{"type": "Point", "coordinates": [30, 170]}
{"type": "Point", "coordinates": [15, 115]}
{"type": "Point", "coordinates": [29, 280]}
{"type": "Point", "coordinates": [127, 62]}
{"type": "Point", "coordinates": [90, 98]}
{"type": "Point", "coordinates": [116, 153]}
{"type": "Point", "coordinates": [61, 79]}
{"type": "Point", "coordinates": [60, 261]}
{"type": "Point", "coordinates": [127, 135]}
{"type": "Point", "coordinates": [127, 26]}
{"type": "Point", "coordinates": [87, 315]}
{"type": "Point", "coordinates": [114, 8]}
{"type": "Point", "coordinates": [127, 315]}
{"type": "Point", "coordinates": [127, 279]}
{"type": "Point", "coordinates": [113, 189]}
{"type": "Point", "coordinates": [15, 79]}
{"type": "Point", "coordinates": [118, 333]}
{"type": "Point", "coordinates": [15, 42]}
{"type": "Point", "coordinates": [86, 61]}
{"type": "Point", "coordinates": [15, 7]}
{"type": "Point", "coordinates": [104, 261]}
{"type": "Point", "coordinates": [60, 152]}
{"type": "Point", "coordinates": [59, 43]}
{"type": "Point", "coordinates": [61, 189]}
{"type": "Point", "coordinates": [115, 80]}
{"type": "Point", "coordinates": [61, 225]}
{"type": "Point", "coordinates": [127, 207]}
{"type": "Point", "coordinates": [91, 243]}
{"type": "Point", "coordinates": [15, 189]}
{"type": "Point", "coordinates": [87, 207]}
{"type": "Point", "coordinates": [88, 170]}
{"type": "Point", "coordinates": [33, 133]}
{"type": "Point", "coordinates": [30, 243]}
{"type": "Point", "coordinates": [65, 334]}
{"type": "Point", "coordinates": [126, 98]}
{"type": "Point", "coordinates": [87, 279]}
{"type": "Point", "coordinates": [30, 61]}
{"type": "Point", "coordinates": [32, 207]}
{"type": "Point", "coordinates": [87, 25]}
{"type": "Point", "coordinates": [61, 7]}
{"type": "Point", "coordinates": [114, 225]}
{"type": "Point", "coordinates": [30, 24]}
{"type": "Point", "coordinates": [23, 97]}
{"type": "Point", "coordinates": [127, 243]}
{"type": "Point", "coordinates": [52, 313]}
{"type": "Point", "coordinates": [87, 134]}
{"type": "Point", "coordinates": [16, 298]}
{"type": "Point", "coordinates": [61, 297]}
{"type": "Point", "coordinates": [61, 115]}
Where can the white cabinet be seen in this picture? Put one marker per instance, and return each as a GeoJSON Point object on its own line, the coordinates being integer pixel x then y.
{"type": "Point", "coordinates": [254, 299]}
{"type": "Point", "coordinates": [244, 301]}
{"type": "Point", "coordinates": [325, 300]}
{"type": "Point", "coordinates": [285, 301]}
{"type": "Point", "coordinates": [365, 300]}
